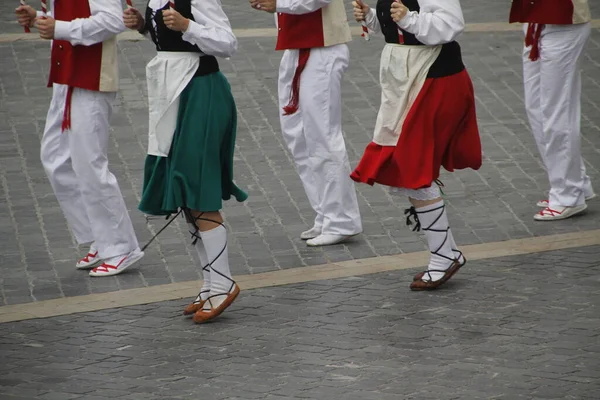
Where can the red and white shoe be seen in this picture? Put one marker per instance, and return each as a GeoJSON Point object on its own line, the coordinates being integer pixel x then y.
{"type": "Point", "coordinates": [116, 265]}
{"type": "Point", "coordinates": [545, 203]}
{"type": "Point", "coordinates": [92, 258]}
{"type": "Point", "coordinates": [557, 213]}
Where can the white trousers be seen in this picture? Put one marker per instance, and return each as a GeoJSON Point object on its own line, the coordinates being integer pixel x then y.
{"type": "Point", "coordinates": [314, 136]}
{"type": "Point", "coordinates": [76, 163]}
{"type": "Point", "coordinates": [553, 103]}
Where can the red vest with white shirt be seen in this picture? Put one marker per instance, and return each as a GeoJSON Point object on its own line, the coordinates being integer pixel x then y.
{"type": "Point", "coordinates": [87, 67]}
{"type": "Point", "coordinates": [324, 27]}
{"type": "Point", "coordinates": [559, 12]}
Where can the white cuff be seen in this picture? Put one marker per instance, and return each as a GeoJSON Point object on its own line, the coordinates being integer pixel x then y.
{"type": "Point", "coordinates": [407, 19]}
{"type": "Point", "coordinates": [370, 18]}
{"type": "Point", "coordinates": [192, 32]}
{"type": "Point", "coordinates": [61, 30]}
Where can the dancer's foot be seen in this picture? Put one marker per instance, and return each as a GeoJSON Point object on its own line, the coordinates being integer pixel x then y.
{"type": "Point", "coordinates": [311, 233]}
{"type": "Point", "coordinates": [546, 203]}
{"type": "Point", "coordinates": [558, 213]}
{"type": "Point", "coordinates": [433, 279]}
{"type": "Point", "coordinates": [92, 258]}
{"type": "Point", "coordinates": [327, 240]}
{"type": "Point", "coordinates": [216, 304]}
{"type": "Point", "coordinates": [116, 265]}
{"type": "Point", "coordinates": [460, 258]}
{"type": "Point", "coordinates": [197, 304]}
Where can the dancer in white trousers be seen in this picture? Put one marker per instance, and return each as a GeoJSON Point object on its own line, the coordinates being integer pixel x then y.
{"type": "Point", "coordinates": [313, 35]}
{"type": "Point", "coordinates": [84, 81]}
{"type": "Point", "coordinates": [555, 38]}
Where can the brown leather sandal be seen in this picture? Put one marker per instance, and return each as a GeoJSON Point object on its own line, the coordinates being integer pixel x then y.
{"type": "Point", "coordinates": [196, 304]}
{"type": "Point", "coordinates": [420, 284]}
{"type": "Point", "coordinates": [202, 316]}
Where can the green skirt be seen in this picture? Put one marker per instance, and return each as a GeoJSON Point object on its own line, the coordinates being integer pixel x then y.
{"type": "Point", "coordinates": [198, 173]}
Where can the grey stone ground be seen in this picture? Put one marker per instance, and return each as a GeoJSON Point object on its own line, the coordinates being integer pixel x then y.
{"type": "Point", "coordinates": [510, 328]}
{"type": "Point", "coordinates": [495, 203]}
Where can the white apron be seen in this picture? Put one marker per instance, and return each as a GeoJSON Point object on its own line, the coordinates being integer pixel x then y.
{"type": "Point", "coordinates": [403, 71]}
{"type": "Point", "coordinates": [167, 76]}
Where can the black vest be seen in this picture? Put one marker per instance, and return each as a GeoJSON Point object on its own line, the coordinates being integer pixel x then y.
{"type": "Point", "coordinates": [166, 39]}
{"type": "Point", "coordinates": [449, 62]}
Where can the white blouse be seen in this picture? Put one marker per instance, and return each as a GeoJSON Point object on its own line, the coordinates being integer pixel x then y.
{"type": "Point", "coordinates": [211, 30]}
{"type": "Point", "coordinates": [438, 22]}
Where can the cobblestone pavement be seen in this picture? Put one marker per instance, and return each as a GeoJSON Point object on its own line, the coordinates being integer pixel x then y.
{"type": "Point", "coordinates": [509, 328]}
{"type": "Point", "coordinates": [496, 203]}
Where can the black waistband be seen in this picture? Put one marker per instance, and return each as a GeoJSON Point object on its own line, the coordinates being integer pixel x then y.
{"type": "Point", "coordinates": [208, 65]}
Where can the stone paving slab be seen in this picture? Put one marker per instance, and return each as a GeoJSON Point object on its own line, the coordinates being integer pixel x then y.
{"type": "Point", "coordinates": [494, 204]}
{"type": "Point", "coordinates": [510, 328]}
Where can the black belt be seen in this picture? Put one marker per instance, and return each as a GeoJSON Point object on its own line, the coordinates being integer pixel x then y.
{"type": "Point", "coordinates": [208, 65]}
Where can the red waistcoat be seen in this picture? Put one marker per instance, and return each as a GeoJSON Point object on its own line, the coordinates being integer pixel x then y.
{"type": "Point", "coordinates": [324, 27]}
{"type": "Point", "coordinates": [559, 12]}
{"type": "Point", "coordinates": [75, 66]}
{"type": "Point", "coordinates": [304, 31]}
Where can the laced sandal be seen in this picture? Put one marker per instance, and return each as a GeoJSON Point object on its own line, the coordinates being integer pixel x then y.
{"type": "Point", "coordinates": [558, 213]}
{"type": "Point", "coordinates": [92, 258]}
{"type": "Point", "coordinates": [461, 259]}
{"type": "Point", "coordinates": [196, 304]}
{"type": "Point", "coordinates": [418, 282]}
{"type": "Point", "coordinates": [420, 285]}
{"type": "Point", "coordinates": [546, 203]}
{"type": "Point", "coordinates": [205, 315]}
{"type": "Point", "coordinates": [116, 265]}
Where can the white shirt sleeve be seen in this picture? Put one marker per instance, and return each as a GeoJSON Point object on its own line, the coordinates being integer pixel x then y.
{"type": "Point", "coordinates": [372, 21]}
{"type": "Point", "coordinates": [106, 21]}
{"type": "Point", "coordinates": [438, 22]}
{"type": "Point", "coordinates": [211, 30]}
{"type": "Point", "coordinates": [300, 6]}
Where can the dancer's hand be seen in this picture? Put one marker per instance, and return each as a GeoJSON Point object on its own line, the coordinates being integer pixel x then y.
{"type": "Point", "coordinates": [398, 11]}
{"type": "Point", "coordinates": [360, 10]}
{"type": "Point", "coordinates": [133, 19]}
{"type": "Point", "coordinates": [46, 27]}
{"type": "Point", "coordinates": [175, 21]}
{"type": "Point", "coordinates": [269, 6]}
{"type": "Point", "coordinates": [26, 16]}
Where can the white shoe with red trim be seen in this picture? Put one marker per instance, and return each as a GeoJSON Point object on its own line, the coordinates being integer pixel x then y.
{"type": "Point", "coordinates": [92, 258]}
{"type": "Point", "coordinates": [116, 265]}
{"type": "Point", "coordinates": [557, 213]}
{"type": "Point", "coordinates": [544, 203]}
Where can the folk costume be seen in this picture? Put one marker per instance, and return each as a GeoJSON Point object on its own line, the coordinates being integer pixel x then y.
{"type": "Point", "coordinates": [426, 120]}
{"type": "Point", "coordinates": [192, 131]}
{"type": "Point", "coordinates": [556, 32]}
{"type": "Point", "coordinates": [84, 81]}
{"type": "Point", "coordinates": [313, 36]}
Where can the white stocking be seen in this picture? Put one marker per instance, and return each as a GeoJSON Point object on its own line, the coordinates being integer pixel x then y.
{"type": "Point", "coordinates": [433, 220]}
{"type": "Point", "coordinates": [205, 289]}
{"type": "Point", "coordinates": [221, 282]}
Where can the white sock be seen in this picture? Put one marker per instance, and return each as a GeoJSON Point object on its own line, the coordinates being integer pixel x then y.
{"type": "Point", "coordinates": [205, 289]}
{"type": "Point", "coordinates": [457, 254]}
{"type": "Point", "coordinates": [434, 222]}
{"type": "Point", "coordinates": [215, 243]}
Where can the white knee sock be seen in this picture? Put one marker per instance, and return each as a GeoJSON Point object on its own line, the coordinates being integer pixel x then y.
{"type": "Point", "coordinates": [215, 243]}
{"type": "Point", "coordinates": [205, 289]}
{"type": "Point", "coordinates": [434, 222]}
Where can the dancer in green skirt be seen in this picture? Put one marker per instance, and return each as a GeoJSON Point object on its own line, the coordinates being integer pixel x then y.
{"type": "Point", "coordinates": [192, 129]}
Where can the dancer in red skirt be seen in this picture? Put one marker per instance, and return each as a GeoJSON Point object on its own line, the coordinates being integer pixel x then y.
{"type": "Point", "coordinates": [426, 119]}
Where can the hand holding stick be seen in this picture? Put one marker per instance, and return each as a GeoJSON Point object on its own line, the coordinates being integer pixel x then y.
{"type": "Point", "coordinates": [360, 12]}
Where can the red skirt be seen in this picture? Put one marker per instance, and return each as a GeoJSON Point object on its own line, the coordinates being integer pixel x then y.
{"type": "Point", "coordinates": [439, 130]}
